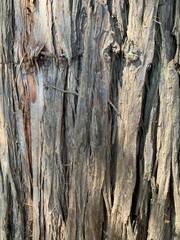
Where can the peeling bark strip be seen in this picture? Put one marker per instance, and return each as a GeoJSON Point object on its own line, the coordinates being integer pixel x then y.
{"type": "Point", "coordinates": [89, 120]}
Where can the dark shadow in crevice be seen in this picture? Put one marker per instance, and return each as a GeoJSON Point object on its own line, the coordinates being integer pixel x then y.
{"type": "Point", "coordinates": [109, 4]}
{"type": "Point", "coordinates": [155, 163]}
{"type": "Point", "coordinates": [170, 214]}
{"type": "Point", "coordinates": [178, 160]}
{"type": "Point", "coordinates": [149, 98]}
{"type": "Point", "coordinates": [116, 70]}
{"type": "Point", "coordinates": [104, 225]}
{"type": "Point", "coordinates": [92, 5]}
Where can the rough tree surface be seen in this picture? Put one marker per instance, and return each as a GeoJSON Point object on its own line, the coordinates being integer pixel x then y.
{"type": "Point", "coordinates": [89, 119]}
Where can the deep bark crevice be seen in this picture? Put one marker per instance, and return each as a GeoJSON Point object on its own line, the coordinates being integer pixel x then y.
{"type": "Point", "coordinates": [65, 163]}
{"type": "Point", "coordinates": [155, 163]}
{"type": "Point", "coordinates": [53, 29]}
{"type": "Point", "coordinates": [104, 225]}
{"type": "Point", "coordinates": [116, 72]}
{"type": "Point", "coordinates": [92, 5]}
{"type": "Point", "coordinates": [139, 177]}
{"type": "Point", "coordinates": [178, 158]}
{"type": "Point", "coordinates": [109, 4]}
{"type": "Point", "coordinates": [171, 209]}
{"type": "Point", "coordinates": [141, 136]}
{"type": "Point", "coordinates": [10, 219]}
{"type": "Point", "coordinates": [126, 16]}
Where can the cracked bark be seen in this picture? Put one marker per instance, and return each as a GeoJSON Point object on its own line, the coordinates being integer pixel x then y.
{"type": "Point", "coordinates": [89, 120]}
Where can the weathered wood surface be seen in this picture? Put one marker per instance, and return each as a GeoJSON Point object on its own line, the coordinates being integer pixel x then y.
{"type": "Point", "coordinates": [89, 119]}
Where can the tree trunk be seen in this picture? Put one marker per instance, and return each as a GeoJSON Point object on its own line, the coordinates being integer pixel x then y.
{"type": "Point", "coordinates": [89, 119]}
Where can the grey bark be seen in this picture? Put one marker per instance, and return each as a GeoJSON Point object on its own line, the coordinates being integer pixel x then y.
{"type": "Point", "coordinates": [89, 119]}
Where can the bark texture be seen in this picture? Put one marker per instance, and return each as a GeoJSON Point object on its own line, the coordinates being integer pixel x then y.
{"type": "Point", "coordinates": [89, 119]}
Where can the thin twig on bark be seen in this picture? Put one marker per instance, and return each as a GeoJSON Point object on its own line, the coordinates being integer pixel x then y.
{"type": "Point", "coordinates": [157, 21]}
{"type": "Point", "coordinates": [30, 205]}
{"type": "Point", "coordinates": [114, 108]}
{"type": "Point", "coordinates": [20, 67]}
{"type": "Point", "coordinates": [62, 90]}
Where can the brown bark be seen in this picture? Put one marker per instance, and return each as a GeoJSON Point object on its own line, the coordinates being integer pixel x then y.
{"type": "Point", "coordinates": [89, 119]}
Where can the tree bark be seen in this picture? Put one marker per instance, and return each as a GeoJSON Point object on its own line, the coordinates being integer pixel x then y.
{"type": "Point", "coordinates": [89, 119]}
